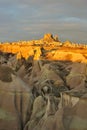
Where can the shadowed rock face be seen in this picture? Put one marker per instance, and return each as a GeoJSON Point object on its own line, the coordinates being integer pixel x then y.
{"type": "Point", "coordinates": [50, 103]}
{"type": "Point", "coordinates": [43, 94]}
{"type": "Point", "coordinates": [6, 74]}
{"type": "Point", "coordinates": [77, 76]}
{"type": "Point", "coordinates": [15, 100]}
{"type": "Point", "coordinates": [74, 116]}
{"type": "Point", "coordinates": [58, 101]}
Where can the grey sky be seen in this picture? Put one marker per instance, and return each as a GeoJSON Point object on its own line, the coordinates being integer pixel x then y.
{"type": "Point", "coordinates": [30, 19]}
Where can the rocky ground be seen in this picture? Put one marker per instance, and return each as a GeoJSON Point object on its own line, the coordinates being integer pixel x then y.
{"type": "Point", "coordinates": [43, 86]}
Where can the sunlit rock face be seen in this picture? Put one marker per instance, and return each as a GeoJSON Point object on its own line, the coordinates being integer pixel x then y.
{"type": "Point", "coordinates": [48, 38]}
{"type": "Point", "coordinates": [43, 85]}
{"type": "Point", "coordinates": [53, 49]}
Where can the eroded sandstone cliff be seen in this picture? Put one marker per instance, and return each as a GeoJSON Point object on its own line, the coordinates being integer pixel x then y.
{"type": "Point", "coordinates": [43, 85]}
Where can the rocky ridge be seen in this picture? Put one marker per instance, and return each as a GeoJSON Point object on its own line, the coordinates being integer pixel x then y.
{"type": "Point", "coordinates": [43, 85]}
{"type": "Point", "coordinates": [52, 48]}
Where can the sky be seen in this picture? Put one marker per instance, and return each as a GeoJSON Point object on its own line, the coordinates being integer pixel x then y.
{"type": "Point", "coordinates": [31, 19]}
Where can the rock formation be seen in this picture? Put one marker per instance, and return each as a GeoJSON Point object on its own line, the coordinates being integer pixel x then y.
{"type": "Point", "coordinates": [48, 38]}
{"type": "Point", "coordinates": [43, 85]}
